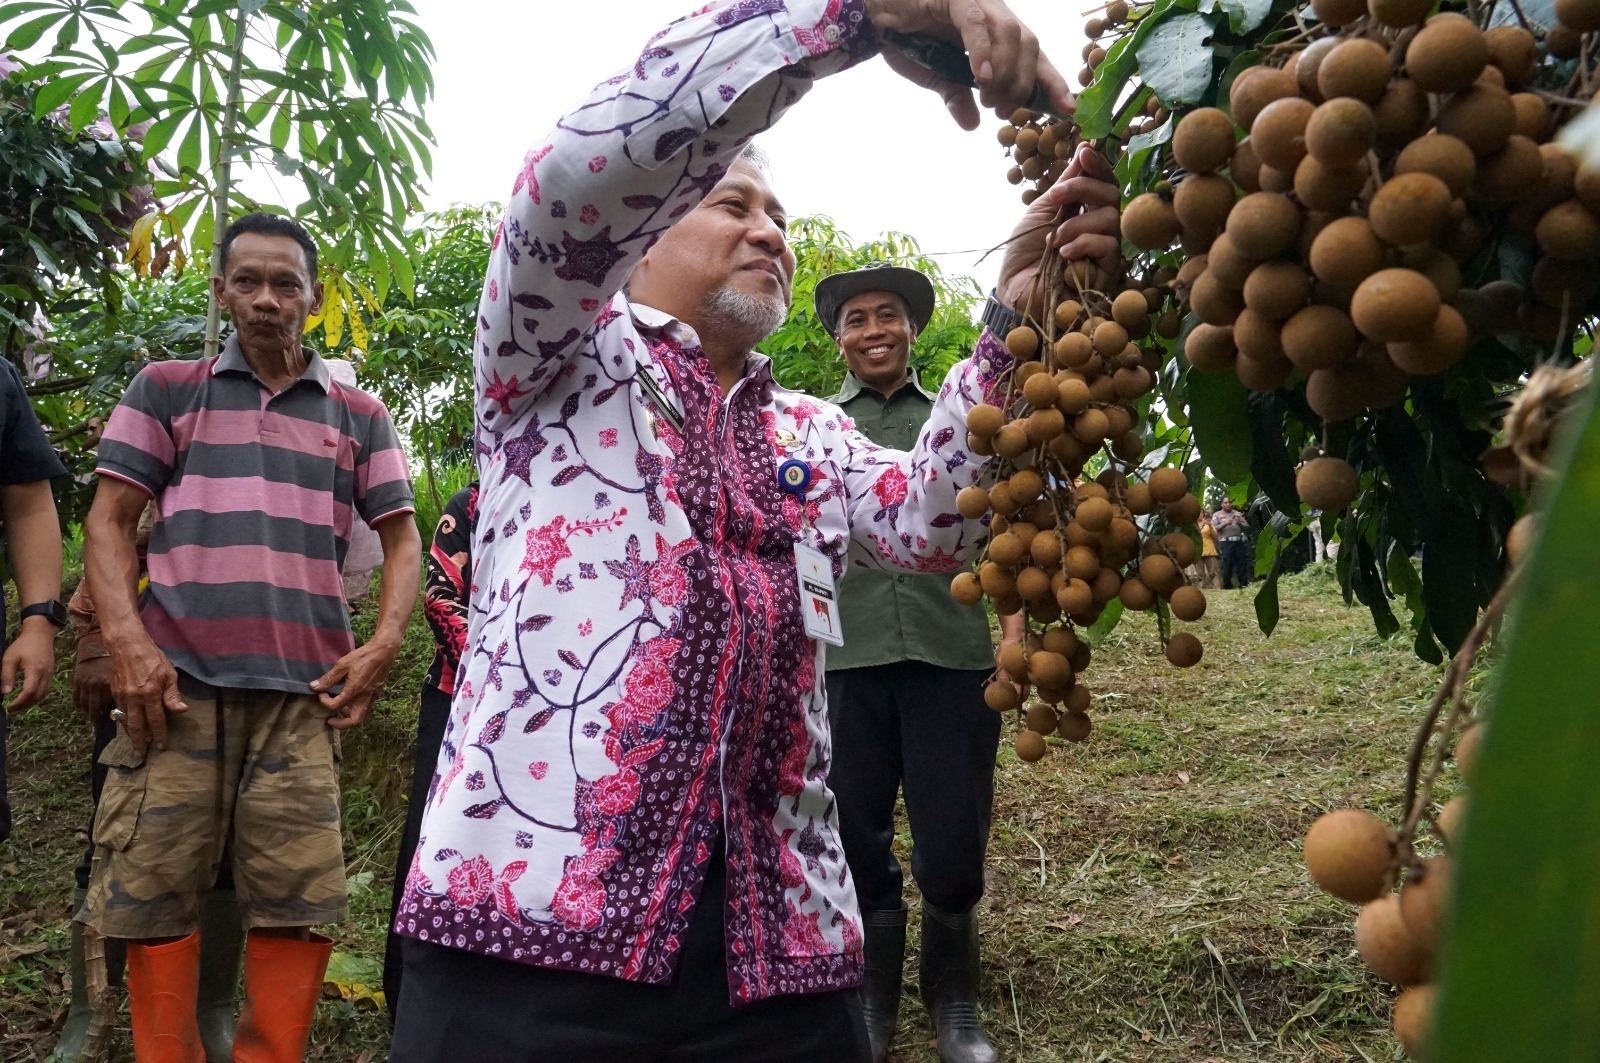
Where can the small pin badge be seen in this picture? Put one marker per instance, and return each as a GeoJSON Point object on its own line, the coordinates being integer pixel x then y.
{"type": "Point", "coordinates": [787, 439]}
{"type": "Point", "coordinates": [794, 477]}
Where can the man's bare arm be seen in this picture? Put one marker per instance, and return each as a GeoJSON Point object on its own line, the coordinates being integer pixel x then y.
{"type": "Point", "coordinates": [364, 669]}
{"type": "Point", "coordinates": [33, 540]}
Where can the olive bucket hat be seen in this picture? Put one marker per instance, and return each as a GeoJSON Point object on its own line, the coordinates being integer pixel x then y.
{"type": "Point", "coordinates": [836, 289]}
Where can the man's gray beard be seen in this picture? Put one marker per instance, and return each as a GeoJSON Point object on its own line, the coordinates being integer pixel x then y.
{"type": "Point", "coordinates": [740, 317]}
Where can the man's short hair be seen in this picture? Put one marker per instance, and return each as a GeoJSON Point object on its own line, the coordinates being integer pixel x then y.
{"type": "Point", "coordinates": [270, 225]}
{"type": "Point", "coordinates": [751, 153]}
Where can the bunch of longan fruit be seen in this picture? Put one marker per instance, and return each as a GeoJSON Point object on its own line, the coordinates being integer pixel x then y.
{"type": "Point", "coordinates": [1356, 857]}
{"type": "Point", "coordinates": [1326, 246]}
{"type": "Point", "coordinates": [1041, 147]}
{"type": "Point", "coordinates": [1063, 547]}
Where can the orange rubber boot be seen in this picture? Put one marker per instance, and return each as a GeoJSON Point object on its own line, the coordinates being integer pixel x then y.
{"type": "Point", "coordinates": [163, 981]}
{"type": "Point", "coordinates": [282, 981]}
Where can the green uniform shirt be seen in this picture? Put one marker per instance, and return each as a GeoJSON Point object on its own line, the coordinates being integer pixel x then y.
{"type": "Point", "coordinates": [888, 615]}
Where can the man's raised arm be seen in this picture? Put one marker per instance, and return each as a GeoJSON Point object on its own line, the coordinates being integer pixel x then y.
{"type": "Point", "coordinates": [626, 163]}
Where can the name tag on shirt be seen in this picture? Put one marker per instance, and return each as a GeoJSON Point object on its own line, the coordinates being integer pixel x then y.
{"type": "Point", "coordinates": [819, 602]}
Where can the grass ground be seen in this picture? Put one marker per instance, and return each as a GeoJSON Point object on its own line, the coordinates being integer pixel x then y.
{"type": "Point", "coordinates": [1146, 899]}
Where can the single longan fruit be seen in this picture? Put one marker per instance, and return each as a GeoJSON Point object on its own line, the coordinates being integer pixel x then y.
{"type": "Point", "coordinates": [1448, 54]}
{"type": "Point", "coordinates": [1509, 173]}
{"type": "Point", "coordinates": [1398, 14]}
{"type": "Point", "coordinates": [1514, 52]}
{"type": "Point", "coordinates": [1090, 427]}
{"type": "Point", "coordinates": [1139, 499]}
{"type": "Point", "coordinates": [1074, 597]}
{"type": "Point", "coordinates": [1214, 302]}
{"type": "Point", "coordinates": [1580, 16]}
{"type": "Point", "coordinates": [1167, 484]}
{"type": "Point", "coordinates": [1443, 347]}
{"type": "Point", "coordinates": [1149, 222]}
{"type": "Point", "coordinates": [1188, 603]}
{"type": "Point", "coordinates": [1386, 947]}
{"type": "Point", "coordinates": [1049, 669]}
{"type": "Point", "coordinates": [1007, 549]}
{"type": "Point", "coordinates": [1395, 305]}
{"type": "Point", "coordinates": [1183, 513]}
{"type": "Point", "coordinates": [1094, 514]}
{"type": "Point", "coordinates": [1257, 338]}
{"type": "Point", "coordinates": [1482, 117]}
{"type": "Point", "coordinates": [1319, 337]}
{"type": "Point", "coordinates": [1349, 853]}
{"type": "Point", "coordinates": [1336, 13]}
{"type": "Point", "coordinates": [1039, 717]}
{"type": "Point", "coordinates": [1328, 484]}
{"type": "Point", "coordinates": [1184, 650]}
{"type": "Point", "coordinates": [1413, 1019]}
{"type": "Point", "coordinates": [1225, 263]}
{"type": "Point", "coordinates": [1033, 585]}
{"type": "Point", "coordinates": [1345, 253]}
{"type": "Point", "coordinates": [1203, 140]}
{"type": "Point", "coordinates": [1073, 350]}
{"type": "Point", "coordinates": [1023, 343]}
{"type": "Point", "coordinates": [1568, 231]}
{"type": "Point", "coordinates": [1130, 309]}
{"type": "Point", "coordinates": [1202, 202]}
{"type": "Point", "coordinates": [1341, 131]}
{"type": "Point", "coordinates": [1109, 339]}
{"type": "Point", "coordinates": [1338, 393]}
{"type": "Point", "coordinates": [972, 502]}
{"type": "Point", "coordinates": [1444, 156]}
{"type": "Point", "coordinates": [1044, 425]}
{"type": "Point", "coordinates": [1001, 696]}
{"type": "Point", "coordinates": [1026, 485]}
{"type": "Point", "coordinates": [1136, 595]}
{"type": "Point", "coordinates": [1425, 901]}
{"type": "Point", "coordinates": [1278, 135]}
{"type": "Point", "coordinates": [964, 588]}
{"type": "Point", "coordinates": [1180, 546]}
{"type": "Point", "coordinates": [1254, 88]}
{"type": "Point", "coordinates": [1306, 63]}
{"type": "Point", "coordinates": [1159, 573]}
{"type": "Point", "coordinates": [1060, 640]}
{"type": "Point", "coordinates": [1072, 395]}
{"type": "Point", "coordinates": [1040, 391]}
{"type": "Point", "coordinates": [1074, 726]}
{"type": "Point", "coordinates": [1356, 67]}
{"type": "Point", "coordinates": [1409, 208]}
{"type": "Point", "coordinates": [1327, 188]}
{"type": "Point", "coordinates": [1401, 113]}
{"type": "Point", "coordinates": [1263, 225]}
{"type": "Point", "coordinates": [1277, 289]}
{"type": "Point", "coordinates": [1010, 441]}
{"type": "Point", "coordinates": [1029, 746]}
{"type": "Point", "coordinates": [1081, 563]}
{"type": "Point", "coordinates": [1245, 167]}
{"type": "Point", "coordinates": [1209, 349]}
{"type": "Point", "coordinates": [1534, 120]}
{"type": "Point", "coordinates": [984, 420]}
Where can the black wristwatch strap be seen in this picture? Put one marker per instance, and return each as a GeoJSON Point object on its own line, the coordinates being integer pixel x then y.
{"type": "Point", "coordinates": [999, 318]}
{"type": "Point", "coordinates": [52, 610]}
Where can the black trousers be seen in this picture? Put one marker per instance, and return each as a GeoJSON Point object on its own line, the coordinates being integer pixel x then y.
{"type": "Point", "coordinates": [460, 1005]}
{"type": "Point", "coordinates": [1237, 566]}
{"type": "Point", "coordinates": [432, 716]}
{"type": "Point", "coordinates": [926, 730]}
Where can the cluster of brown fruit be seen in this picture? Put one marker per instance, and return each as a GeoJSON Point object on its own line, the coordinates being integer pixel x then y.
{"type": "Point", "coordinates": [1354, 856]}
{"type": "Point", "coordinates": [1327, 244]}
{"type": "Point", "coordinates": [1062, 547]}
{"type": "Point", "coordinates": [1040, 147]}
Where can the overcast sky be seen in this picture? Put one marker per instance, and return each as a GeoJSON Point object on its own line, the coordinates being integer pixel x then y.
{"type": "Point", "coordinates": [865, 147]}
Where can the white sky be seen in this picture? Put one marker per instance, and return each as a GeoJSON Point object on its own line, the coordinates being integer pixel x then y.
{"type": "Point", "coordinates": [865, 147]}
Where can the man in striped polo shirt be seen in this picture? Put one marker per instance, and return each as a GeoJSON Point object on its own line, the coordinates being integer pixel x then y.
{"type": "Point", "coordinates": [231, 668]}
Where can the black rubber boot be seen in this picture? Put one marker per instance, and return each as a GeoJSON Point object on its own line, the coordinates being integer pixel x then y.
{"type": "Point", "coordinates": [885, 941]}
{"type": "Point", "coordinates": [73, 1043]}
{"type": "Point", "coordinates": [221, 945]}
{"type": "Point", "coordinates": [950, 974]}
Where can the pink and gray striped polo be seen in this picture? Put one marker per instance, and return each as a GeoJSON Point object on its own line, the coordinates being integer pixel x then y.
{"type": "Point", "coordinates": [255, 494]}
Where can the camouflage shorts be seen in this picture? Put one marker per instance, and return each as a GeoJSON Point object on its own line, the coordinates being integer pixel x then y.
{"type": "Point", "coordinates": [247, 776]}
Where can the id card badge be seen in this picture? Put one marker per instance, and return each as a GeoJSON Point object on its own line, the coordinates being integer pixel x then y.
{"type": "Point", "coordinates": [819, 602]}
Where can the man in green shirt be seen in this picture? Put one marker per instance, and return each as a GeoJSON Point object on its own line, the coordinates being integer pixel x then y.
{"type": "Point", "coordinates": [905, 701]}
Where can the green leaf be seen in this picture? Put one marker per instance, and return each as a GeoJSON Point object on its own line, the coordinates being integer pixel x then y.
{"type": "Point", "coordinates": [86, 105]}
{"type": "Point", "coordinates": [1097, 103]}
{"type": "Point", "coordinates": [27, 35]}
{"type": "Point", "coordinates": [1109, 619]}
{"type": "Point", "coordinates": [54, 93]}
{"type": "Point", "coordinates": [189, 149]}
{"type": "Point", "coordinates": [1217, 413]}
{"type": "Point", "coordinates": [1267, 611]}
{"type": "Point", "coordinates": [1175, 59]}
{"type": "Point", "coordinates": [1246, 15]}
{"type": "Point", "coordinates": [1269, 460]}
{"type": "Point", "coordinates": [1521, 964]}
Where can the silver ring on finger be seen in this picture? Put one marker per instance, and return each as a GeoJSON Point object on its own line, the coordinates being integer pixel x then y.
{"type": "Point", "coordinates": [118, 715]}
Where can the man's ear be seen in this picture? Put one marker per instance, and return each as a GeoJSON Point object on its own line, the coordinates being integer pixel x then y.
{"type": "Point", "coordinates": [316, 297]}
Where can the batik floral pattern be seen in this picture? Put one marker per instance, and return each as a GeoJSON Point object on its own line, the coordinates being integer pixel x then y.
{"type": "Point", "coordinates": [637, 680]}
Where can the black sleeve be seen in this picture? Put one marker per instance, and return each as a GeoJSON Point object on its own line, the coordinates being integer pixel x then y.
{"type": "Point", "coordinates": [25, 453]}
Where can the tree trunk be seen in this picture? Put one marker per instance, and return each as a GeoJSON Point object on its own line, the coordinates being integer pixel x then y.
{"type": "Point", "coordinates": [230, 127]}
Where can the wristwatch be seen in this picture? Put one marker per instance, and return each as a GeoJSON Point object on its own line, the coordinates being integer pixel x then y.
{"type": "Point", "coordinates": [52, 611]}
{"type": "Point", "coordinates": [999, 318]}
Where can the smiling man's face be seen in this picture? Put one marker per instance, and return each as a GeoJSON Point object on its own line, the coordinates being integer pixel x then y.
{"type": "Point", "coordinates": [875, 336]}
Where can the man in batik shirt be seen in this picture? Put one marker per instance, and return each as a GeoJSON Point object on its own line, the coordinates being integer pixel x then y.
{"type": "Point", "coordinates": [631, 804]}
